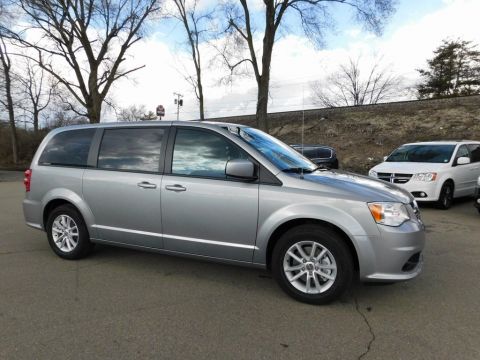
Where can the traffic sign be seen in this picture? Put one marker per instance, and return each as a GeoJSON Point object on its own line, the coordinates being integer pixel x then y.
{"type": "Point", "coordinates": [160, 110]}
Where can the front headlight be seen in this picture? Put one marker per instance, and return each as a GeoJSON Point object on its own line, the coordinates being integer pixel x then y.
{"type": "Point", "coordinates": [373, 173]}
{"type": "Point", "coordinates": [430, 176]}
{"type": "Point", "coordinates": [390, 214]}
{"type": "Point", "coordinates": [478, 181]}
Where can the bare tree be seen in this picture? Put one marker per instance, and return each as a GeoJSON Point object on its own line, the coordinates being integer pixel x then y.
{"type": "Point", "coordinates": [195, 24]}
{"type": "Point", "coordinates": [6, 98]}
{"type": "Point", "coordinates": [62, 116]}
{"type": "Point", "coordinates": [351, 86]}
{"type": "Point", "coordinates": [314, 18]}
{"type": "Point", "coordinates": [135, 113]}
{"type": "Point", "coordinates": [37, 89]}
{"type": "Point", "coordinates": [83, 44]}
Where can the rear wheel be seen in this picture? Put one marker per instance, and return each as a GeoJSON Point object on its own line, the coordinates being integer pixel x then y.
{"type": "Point", "coordinates": [312, 264]}
{"type": "Point", "coordinates": [445, 199]}
{"type": "Point", "coordinates": [67, 233]}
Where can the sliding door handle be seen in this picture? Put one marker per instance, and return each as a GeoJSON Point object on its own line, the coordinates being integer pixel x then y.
{"type": "Point", "coordinates": [146, 185]}
{"type": "Point", "coordinates": [176, 188]}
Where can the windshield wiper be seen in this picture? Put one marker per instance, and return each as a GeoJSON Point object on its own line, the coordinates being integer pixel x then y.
{"type": "Point", "coordinates": [298, 170]}
{"type": "Point", "coordinates": [321, 167]}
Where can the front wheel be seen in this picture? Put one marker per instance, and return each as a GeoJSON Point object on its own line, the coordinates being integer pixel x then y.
{"type": "Point", "coordinates": [312, 264]}
{"type": "Point", "coordinates": [445, 199]}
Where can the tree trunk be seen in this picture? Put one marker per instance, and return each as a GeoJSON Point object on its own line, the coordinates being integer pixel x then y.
{"type": "Point", "coordinates": [200, 98]}
{"type": "Point", "coordinates": [202, 110]}
{"type": "Point", "coordinates": [13, 128]}
{"type": "Point", "coordinates": [94, 111]}
{"type": "Point", "coordinates": [262, 104]}
{"type": "Point", "coordinates": [263, 81]}
{"type": "Point", "coordinates": [11, 114]}
{"type": "Point", "coordinates": [35, 121]}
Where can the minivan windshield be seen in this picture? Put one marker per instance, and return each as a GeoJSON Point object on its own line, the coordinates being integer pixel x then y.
{"type": "Point", "coordinates": [280, 154]}
{"type": "Point", "coordinates": [422, 153]}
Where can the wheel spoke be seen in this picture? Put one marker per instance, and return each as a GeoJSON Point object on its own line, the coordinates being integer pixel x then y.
{"type": "Point", "coordinates": [318, 287]}
{"type": "Point", "coordinates": [301, 252]}
{"type": "Point", "coordinates": [70, 243]}
{"type": "Point", "coordinates": [312, 252]}
{"type": "Point", "coordinates": [321, 255]}
{"type": "Point", "coordinates": [57, 225]}
{"type": "Point", "coordinates": [308, 285]}
{"type": "Point", "coordinates": [326, 266]}
{"type": "Point", "coordinates": [296, 276]}
{"type": "Point", "coordinates": [294, 268]}
{"type": "Point", "coordinates": [324, 275]}
{"type": "Point", "coordinates": [294, 256]}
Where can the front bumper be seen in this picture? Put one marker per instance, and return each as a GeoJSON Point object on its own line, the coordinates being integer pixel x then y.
{"type": "Point", "coordinates": [421, 188]}
{"type": "Point", "coordinates": [396, 255]}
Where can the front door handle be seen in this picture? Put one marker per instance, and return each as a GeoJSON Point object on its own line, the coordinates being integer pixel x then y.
{"type": "Point", "coordinates": [146, 185]}
{"type": "Point", "coordinates": [176, 188]}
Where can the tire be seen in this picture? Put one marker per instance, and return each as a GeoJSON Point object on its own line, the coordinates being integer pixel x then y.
{"type": "Point", "coordinates": [445, 199]}
{"type": "Point", "coordinates": [336, 262]}
{"type": "Point", "coordinates": [67, 233]}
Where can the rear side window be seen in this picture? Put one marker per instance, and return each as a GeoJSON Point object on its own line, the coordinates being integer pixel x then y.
{"type": "Point", "coordinates": [474, 152]}
{"type": "Point", "coordinates": [324, 153]}
{"type": "Point", "coordinates": [309, 153]}
{"type": "Point", "coordinates": [68, 148]}
{"type": "Point", "coordinates": [131, 149]}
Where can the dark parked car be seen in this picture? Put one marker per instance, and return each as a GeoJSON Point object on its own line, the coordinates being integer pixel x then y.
{"type": "Point", "coordinates": [319, 154]}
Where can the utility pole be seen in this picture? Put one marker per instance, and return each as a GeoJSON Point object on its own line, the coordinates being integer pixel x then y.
{"type": "Point", "coordinates": [179, 102]}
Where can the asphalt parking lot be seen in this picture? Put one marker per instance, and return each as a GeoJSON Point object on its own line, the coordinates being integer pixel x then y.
{"type": "Point", "coordinates": [124, 304]}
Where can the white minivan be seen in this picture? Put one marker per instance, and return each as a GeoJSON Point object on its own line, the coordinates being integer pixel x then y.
{"type": "Point", "coordinates": [433, 171]}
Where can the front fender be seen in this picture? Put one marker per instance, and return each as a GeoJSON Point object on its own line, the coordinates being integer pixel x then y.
{"type": "Point", "coordinates": [357, 224]}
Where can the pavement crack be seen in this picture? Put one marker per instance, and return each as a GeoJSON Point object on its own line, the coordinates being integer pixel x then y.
{"type": "Point", "coordinates": [365, 320]}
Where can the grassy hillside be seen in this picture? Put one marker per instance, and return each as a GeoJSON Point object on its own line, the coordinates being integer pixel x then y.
{"type": "Point", "coordinates": [363, 135]}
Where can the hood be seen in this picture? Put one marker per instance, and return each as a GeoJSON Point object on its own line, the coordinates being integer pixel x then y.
{"type": "Point", "coordinates": [359, 186]}
{"type": "Point", "coordinates": [408, 167]}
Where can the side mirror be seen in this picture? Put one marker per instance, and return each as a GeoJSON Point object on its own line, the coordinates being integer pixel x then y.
{"type": "Point", "coordinates": [385, 158]}
{"type": "Point", "coordinates": [463, 160]}
{"type": "Point", "coordinates": [240, 169]}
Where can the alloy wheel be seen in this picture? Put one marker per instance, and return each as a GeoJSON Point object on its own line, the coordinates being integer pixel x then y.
{"type": "Point", "coordinates": [310, 267]}
{"type": "Point", "coordinates": [65, 233]}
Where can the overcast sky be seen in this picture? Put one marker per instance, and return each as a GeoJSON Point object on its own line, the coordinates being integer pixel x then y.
{"type": "Point", "coordinates": [410, 37]}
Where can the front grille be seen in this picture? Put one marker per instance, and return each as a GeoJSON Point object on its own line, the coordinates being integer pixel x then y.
{"type": "Point", "coordinates": [395, 178]}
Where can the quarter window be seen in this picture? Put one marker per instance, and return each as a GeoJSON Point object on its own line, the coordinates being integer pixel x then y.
{"type": "Point", "coordinates": [131, 149]}
{"type": "Point", "coordinates": [202, 154]}
{"type": "Point", "coordinates": [68, 148]}
{"type": "Point", "coordinates": [462, 152]}
{"type": "Point", "coordinates": [474, 152]}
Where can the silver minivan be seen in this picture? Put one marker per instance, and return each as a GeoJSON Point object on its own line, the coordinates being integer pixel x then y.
{"type": "Point", "coordinates": [222, 192]}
